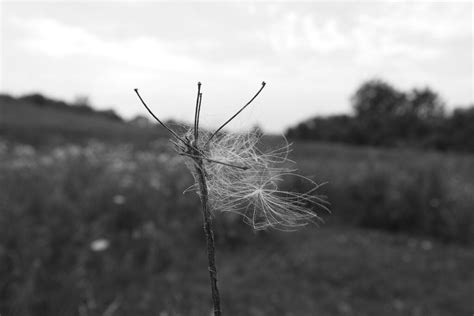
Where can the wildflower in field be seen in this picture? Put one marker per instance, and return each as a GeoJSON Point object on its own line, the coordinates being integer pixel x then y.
{"type": "Point", "coordinates": [100, 245]}
{"type": "Point", "coordinates": [119, 199]}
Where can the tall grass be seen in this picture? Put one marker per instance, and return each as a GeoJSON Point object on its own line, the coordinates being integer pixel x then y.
{"type": "Point", "coordinates": [55, 204]}
{"type": "Point", "coordinates": [403, 191]}
{"type": "Point", "coordinates": [58, 204]}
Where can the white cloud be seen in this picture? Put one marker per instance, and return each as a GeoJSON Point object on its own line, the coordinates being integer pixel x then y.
{"type": "Point", "coordinates": [55, 39]}
{"type": "Point", "coordinates": [49, 37]}
{"type": "Point", "coordinates": [373, 47]}
{"type": "Point", "coordinates": [437, 21]}
{"type": "Point", "coordinates": [295, 32]}
{"type": "Point", "coordinates": [327, 38]}
{"type": "Point", "coordinates": [408, 32]}
{"type": "Point", "coordinates": [411, 32]}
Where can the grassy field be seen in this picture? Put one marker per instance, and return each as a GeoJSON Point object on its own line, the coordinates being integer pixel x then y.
{"type": "Point", "coordinates": [422, 193]}
{"type": "Point", "coordinates": [44, 125]}
{"type": "Point", "coordinates": [104, 229]}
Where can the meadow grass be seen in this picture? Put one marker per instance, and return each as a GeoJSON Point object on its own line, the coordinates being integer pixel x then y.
{"type": "Point", "coordinates": [58, 203]}
{"type": "Point", "coordinates": [422, 193]}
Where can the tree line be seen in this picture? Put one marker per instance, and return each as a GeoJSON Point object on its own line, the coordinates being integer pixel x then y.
{"type": "Point", "coordinates": [385, 116]}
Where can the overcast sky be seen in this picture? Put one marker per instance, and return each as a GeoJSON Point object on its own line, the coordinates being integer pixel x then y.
{"type": "Point", "coordinates": [312, 55]}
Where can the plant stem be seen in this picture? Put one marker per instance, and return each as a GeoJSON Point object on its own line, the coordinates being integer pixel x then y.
{"type": "Point", "coordinates": [207, 222]}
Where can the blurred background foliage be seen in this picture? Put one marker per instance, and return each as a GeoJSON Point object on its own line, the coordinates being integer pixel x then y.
{"type": "Point", "coordinates": [93, 219]}
{"type": "Point", "coordinates": [385, 116]}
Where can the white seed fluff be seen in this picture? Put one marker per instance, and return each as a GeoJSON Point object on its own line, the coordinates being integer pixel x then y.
{"type": "Point", "coordinates": [254, 193]}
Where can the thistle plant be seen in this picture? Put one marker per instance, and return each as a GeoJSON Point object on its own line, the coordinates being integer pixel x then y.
{"type": "Point", "coordinates": [232, 174]}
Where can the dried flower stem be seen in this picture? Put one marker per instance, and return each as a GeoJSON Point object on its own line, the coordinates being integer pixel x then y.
{"type": "Point", "coordinates": [208, 231]}
{"type": "Point", "coordinates": [191, 150]}
{"type": "Point", "coordinates": [233, 175]}
{"type": "Point", "coordinates": [200, 171]}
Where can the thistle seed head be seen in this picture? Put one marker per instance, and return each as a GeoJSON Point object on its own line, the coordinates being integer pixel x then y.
{"type": "Point", "coordinates": [254, 191]}
{"type": "Point", "coordinates": [241, 178]}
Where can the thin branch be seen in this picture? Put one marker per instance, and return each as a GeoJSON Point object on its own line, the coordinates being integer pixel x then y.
{"type": "Point", "coordinates": [238, 112]}
{"type": "Point", "coordinates": [196, 114]}
{"type": "Point", "coordinates": [199, 114]}
{"type": "Point", "coordinates": [158, 120]}
{"type": "Point", "coordinates": [213, 160]}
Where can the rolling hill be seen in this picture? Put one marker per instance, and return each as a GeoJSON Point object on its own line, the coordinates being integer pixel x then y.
{"type": "Point", "coordinates": [37, 120]}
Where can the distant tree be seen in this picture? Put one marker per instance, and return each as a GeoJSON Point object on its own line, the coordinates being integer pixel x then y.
{"type": "Point", "coordinates": [377, 98]}
{"type": "Point", "coordinates": [301, 131]}
{"type": "Point", "coordinates": [335, 128]}
{"type": "Point", "coordinates": [141, 121]}
{"type": "Point", "coordinates": [385, 116]}
{"type": "Point", "coordinates": [35, 98]}
{"type": "Point", "coordinates": [82, 104]}
{"type": "Point", "coordinates": [378, 107]}
{"type": "Point", "coordinates": [458, 133]}
{"type": "Point", "coordinates": [422, 117]}
{"type": "Point", "coordinates": [82, 101]}
{"type": "Point", "coordinates": [4, 98]}
{"type": "Point", "coordinates": [425, 104]}
{"type": "Point", "coordinates": [110, 114]}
